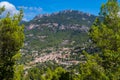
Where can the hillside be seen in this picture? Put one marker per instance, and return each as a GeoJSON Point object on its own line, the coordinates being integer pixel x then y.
{"type": "Point", "coordinates": [52, 33]}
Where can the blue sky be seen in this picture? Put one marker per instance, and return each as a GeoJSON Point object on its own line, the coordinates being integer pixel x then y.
{"type": "Point", "coordinates": [34, 7]}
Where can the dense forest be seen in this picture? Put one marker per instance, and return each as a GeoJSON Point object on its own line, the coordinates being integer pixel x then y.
{"type": "Point", "coordinates": [97, 59]}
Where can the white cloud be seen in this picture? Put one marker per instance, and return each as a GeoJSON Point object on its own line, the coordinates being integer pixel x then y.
{"type": "Point", "coordinates": [23, 7]}
{"type": "Point", "coordinates": [8, 8]}
{"type": "Point", "coordinates": [30, 12]}
{"type": "Point", "coordinates": [25, 19]}
{"type": "Point", "coordinates": [29, 16]}
{"type": "Point", "coordinates": [31, 8]}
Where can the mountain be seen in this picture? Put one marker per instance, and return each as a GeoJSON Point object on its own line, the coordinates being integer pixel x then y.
{"type": "Point", "coordinates": [67, 19]}
{"type": "Point", "coordinates": [55, 34]}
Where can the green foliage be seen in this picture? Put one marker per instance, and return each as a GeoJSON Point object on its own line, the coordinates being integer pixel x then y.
{"type": "Point", "coordinates": [18, 72]}
{"type": "Point", "coordinates": [53, 39]}
{"type": "Point", "coordinates": [11, 41]}
{"type": "Point", "coordinates": [105, 34]}
{"type": "Point", "coordinates": [92, 69]}
{"type": "Point", "coordinates": [33, 74]}
{"type": "Point", "coordinates": [48, 74]}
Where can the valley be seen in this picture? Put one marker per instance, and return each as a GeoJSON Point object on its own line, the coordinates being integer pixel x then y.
{"type": "Point", "coordinates": [53, 37]}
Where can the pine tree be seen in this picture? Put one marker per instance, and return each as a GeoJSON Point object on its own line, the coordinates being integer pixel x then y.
{"type": "Point", "coordinates": [11, 41]}
{"type": "Point", "coordinates": [92, 69]}
{"type": "Point", "coordinates": [105, 34]}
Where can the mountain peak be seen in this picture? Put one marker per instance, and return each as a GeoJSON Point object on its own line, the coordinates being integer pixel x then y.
{"type": "Point", "coordinates": [69, 11]}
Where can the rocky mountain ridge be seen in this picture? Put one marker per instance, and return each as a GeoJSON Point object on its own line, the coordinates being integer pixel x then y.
{"type": "Point", "coordinates": [67, 19]}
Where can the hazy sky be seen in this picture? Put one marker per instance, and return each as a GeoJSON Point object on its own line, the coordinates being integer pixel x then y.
{"type": "Point", "coordinates": [34, 7]}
